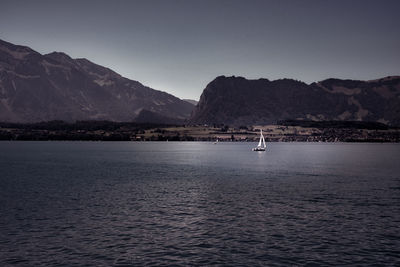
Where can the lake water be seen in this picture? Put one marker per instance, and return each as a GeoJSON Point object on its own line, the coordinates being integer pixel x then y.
{"type": "Point", "coordinates": [189, 203]}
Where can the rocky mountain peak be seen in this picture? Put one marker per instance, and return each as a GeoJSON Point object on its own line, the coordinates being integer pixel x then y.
{"type": "Point", "coordinates": [239, 101]}
{"type": "Point", "coordinates": [35, 87]}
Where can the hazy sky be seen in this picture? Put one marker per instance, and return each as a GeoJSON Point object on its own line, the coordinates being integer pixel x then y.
{"type": "Point", "coordinates": [180, 46]}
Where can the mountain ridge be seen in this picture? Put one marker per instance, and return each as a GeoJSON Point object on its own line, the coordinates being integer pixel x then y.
{"type": "Point", "coordinates": [54, 86]}
{"type": "Point", "coordinates": [240, 101]}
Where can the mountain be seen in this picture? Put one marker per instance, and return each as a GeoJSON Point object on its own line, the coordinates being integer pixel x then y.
{"type": "Point", "coordinates": [35, 87]}
{"type": "Point", "coordinates": [239, 101]}
{"type": "Point", "coordinates": [191, 101]}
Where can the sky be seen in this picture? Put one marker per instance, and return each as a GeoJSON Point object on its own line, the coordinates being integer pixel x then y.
{"type": "Point", "coordinates": [179, 46]}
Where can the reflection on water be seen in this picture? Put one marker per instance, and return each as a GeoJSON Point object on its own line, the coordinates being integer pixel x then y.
{"type": "Point", "coordinates": [94, 203]}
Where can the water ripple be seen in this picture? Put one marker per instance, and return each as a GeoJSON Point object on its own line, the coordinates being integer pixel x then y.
{"type": "Point", "coordinates": [103, 204]}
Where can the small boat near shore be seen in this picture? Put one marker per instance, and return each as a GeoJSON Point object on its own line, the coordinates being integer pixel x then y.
{"type": "Point", "coordinates": [261, 144]}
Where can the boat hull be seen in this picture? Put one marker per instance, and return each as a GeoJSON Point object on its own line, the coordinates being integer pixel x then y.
{"type": "Point", "coordinates": [259, 149]}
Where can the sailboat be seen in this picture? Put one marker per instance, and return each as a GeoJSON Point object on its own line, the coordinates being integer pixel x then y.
{"type": "Point", "coordinates": [261, 144]}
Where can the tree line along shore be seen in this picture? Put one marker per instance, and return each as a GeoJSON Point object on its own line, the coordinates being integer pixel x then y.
{"type": "Point", "coordinates": [282, 131]}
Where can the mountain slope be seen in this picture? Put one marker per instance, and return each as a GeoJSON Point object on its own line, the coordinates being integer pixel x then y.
{"type": "Point", "coordinates": [35, 87]}
{"type": "Point", "coordinates": [191, 101]}
{"type": "Point", "coordinates": [238, 101]}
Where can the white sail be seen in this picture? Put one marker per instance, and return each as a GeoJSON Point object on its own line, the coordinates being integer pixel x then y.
{"type": "Point", "coordinates": [263, 141]}
{"type": "Point", "coordinates": [261, 144]}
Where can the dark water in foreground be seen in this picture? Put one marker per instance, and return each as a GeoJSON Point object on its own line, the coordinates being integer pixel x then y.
{"type": "Point", "coordinates": [134, 204]}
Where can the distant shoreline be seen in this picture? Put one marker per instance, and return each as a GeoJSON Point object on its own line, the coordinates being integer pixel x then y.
{"type": "Point", "coordinates": [275, 142]}
{"type": "Point", "coordinates": [285, 131]}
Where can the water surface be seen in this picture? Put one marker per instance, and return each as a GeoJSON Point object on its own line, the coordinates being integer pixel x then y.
{"type": "Point", "coordinates": [188, 203]}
